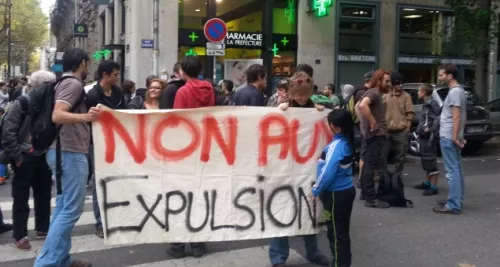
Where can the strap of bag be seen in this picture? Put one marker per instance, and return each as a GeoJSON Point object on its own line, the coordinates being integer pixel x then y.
{"type": "Point", "coordinates": [58, 148]}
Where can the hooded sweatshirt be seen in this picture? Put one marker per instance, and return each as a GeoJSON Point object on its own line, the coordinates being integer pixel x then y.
{"type": "Point", "coordinates": [168, 95]}
{"type": "Point", "coordinates": [195, 94]}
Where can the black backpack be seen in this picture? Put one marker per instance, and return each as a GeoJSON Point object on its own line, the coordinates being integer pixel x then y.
{"type": "Point", "coordinates": [43, 130]}
{"type": "Point", "coordinates": [391, 190]}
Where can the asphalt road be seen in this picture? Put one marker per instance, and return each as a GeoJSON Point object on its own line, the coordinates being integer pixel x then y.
{"type": "Point", "coordinates": [409, 237]}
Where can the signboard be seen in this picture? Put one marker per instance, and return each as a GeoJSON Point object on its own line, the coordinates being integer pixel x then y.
{"type": "Point", "coordinates": [215, 49]}
{"type": "Point", "coordinates": [210, 174]}
{"type": "Point", "coordinates": [251, 40]}
{"type": "Point", "coordinates": [215, 30]}
{"type": "Point", "coordinates": [57, 68]}
{"type": "Point", "coordinates": [147, 43]}
{"type": "Point", "coordinates": [435, 60]}
{"type": "Point", "coordinates": [356, 58]}
{"type": "Point", "coordinates": [235, 69]}
{"type": "Point", "coordinates": [80, 30]}
{"type": "Point", "coordinates": [215, 53]}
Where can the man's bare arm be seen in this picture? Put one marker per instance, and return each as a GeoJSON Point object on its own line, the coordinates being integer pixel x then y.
{"type": "Point", "coordinates": [364, 108]}
{"type": "Point", "coordinates": [455, 111]}
{"type": "Point", "coordinates": [62, 115]}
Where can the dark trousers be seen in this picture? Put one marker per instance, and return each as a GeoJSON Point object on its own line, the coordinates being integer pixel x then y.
{"type": "Point", "coordinates": [33, 173]}
{"type": "Point", "coordinates": [397, 142]}
{"type": "Point", "coordinates": [373, 163]}
{"type": "Point", "coordinates": [338, 209]}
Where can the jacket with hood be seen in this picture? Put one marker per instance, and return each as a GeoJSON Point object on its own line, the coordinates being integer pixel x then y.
{"type": "Point", "coordinates": [168, 96]}
{"type": "Point", "coordinates": [195, 94]}
{"type": "Point", "coordinates": [96, 96]}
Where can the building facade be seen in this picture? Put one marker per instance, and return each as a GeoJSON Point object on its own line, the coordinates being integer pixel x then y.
{"type": "Point", "coordinates": [341, 39]}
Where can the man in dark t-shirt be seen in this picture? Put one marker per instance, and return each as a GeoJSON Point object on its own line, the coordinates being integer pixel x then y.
{"type": "Point", "coordinates": [373, 127]}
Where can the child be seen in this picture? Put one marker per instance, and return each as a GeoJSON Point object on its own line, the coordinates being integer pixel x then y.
{"type": "Point", "coordinates": [281, 94]}
{"type": "Point", "coordinates": [427, 131]}
{"type": "Point", "coordinates": [299, 92]}
{"type": "Point", "coordinates": [335, 187]}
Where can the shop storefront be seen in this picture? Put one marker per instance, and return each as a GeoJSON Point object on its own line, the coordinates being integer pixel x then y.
{"type": "Point", "coordinates": [259, 31]}
{"type": "Point", "coordinates": [425, 40]}
{"type": "Point", "coordinates": [357, 34]}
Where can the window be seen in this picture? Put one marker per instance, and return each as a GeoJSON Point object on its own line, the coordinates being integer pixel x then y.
{"type": "Point", "coordinates": [429, 32]}
{"type": "Point", "coordinates": [285, 16]}
{"type": "Point", "coordinates": [192, 13]}
{"type": "Point", "coordinates": [357, 30]}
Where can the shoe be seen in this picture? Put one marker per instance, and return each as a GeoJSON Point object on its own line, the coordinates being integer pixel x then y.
{"type": "Point", "coordinates": [23, 244]}
{"type": "Point", "coordinates": [99, 232]}
{"type": "Point", "coordinates": [442, 202]}
{"type": "Point", "coordinates": [41, 235]}
{"type": "Point", "coordinates": [6, 227]}
{"type": "Point", "coordinates": [199, 251]}
{"type": "Point", "coordinates": [3, 180]}
{"type": "Point", "coordinates": [445, 210]}
{"type": "Point", "coordinates": [279, 265]}
{"type": "Point", "coordinates": [321, 260]}
{"type": "Point", "coordinates": [80, 263]}
{"type": "Point", "coordinates": [422, 186]}
{"type": "Point", "coordinates": [178, 254]}
{"type": "Point", "coordinates": [431, 192]}
{"type": "Point", "coordinates": [377, 203]}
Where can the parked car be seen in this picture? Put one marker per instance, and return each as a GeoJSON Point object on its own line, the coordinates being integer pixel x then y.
{"type": "Point", "coordinates": [478, 127]}
{"type": "Point", "coordinates": [494, 109]}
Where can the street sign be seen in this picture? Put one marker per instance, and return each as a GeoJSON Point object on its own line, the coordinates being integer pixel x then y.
{"type": "Point", "coordinates": [80, 30]}
{"type": "Point", "coordinates": [147, 43]}
{"type": "Point", "coordinates": [211, 52]}
{"type": "Point", "coordinates": [215, 30]}
{"type": "Point", "coordinates": [57, 68]}
{"type": "Point", "coordinates": [216, 46]}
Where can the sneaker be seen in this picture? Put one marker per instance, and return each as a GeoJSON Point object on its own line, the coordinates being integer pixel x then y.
{"type": "Point", "coordinates": [430, 192]}
{"type": "Point", "coordinates": [422, 186]}
{"type": "Point", "coordinates": [377, 203]}
{"type": "Point", "coordinates": [99, 232]}
{"type": "Point", "coordinates": [198, 252]}
{"type": "Point", "coordinates": [176, 253]}
{"type": "Point", "coordinates": [2, 180]}
{"type": "Point", "coordinates": [80, 263]}
{"type": "Point", "coordinates": [41, 235]}
{"type": "Point", "coordinates": [442, 202]}
{"type": "Point", "coordinates": [23, 244]}
{"type": "Point", "coordinates": [6, 227]}
{"type": "Point", "coordinates": [445, 210]}
{"type": "Point", "coordinates": [321, 261]}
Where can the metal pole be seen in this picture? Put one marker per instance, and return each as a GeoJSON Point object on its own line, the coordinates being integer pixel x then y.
{"type": "Point", "coordinates": [24, 61]}
{"type": "Point", "coordinates": [9, 38]}
{"type": "Point", "coordinates": [156, 32]}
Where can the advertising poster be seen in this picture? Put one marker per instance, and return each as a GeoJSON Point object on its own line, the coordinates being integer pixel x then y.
{"type": "Point", "coordinates": [234, 70]}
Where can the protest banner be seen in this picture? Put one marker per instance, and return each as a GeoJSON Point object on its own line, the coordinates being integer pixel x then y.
{"type": "Point", "coordinates": [209, 174]}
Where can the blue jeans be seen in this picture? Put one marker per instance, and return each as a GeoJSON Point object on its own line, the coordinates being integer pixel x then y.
{"type": "Point", "coordinates": [95, 206]}
{"type": "Point", "coordinates": [454, 173]}
{"type": "Point", "coordinates": [69, 208]}
{"type": "Point", "coordinates": [279, 248]}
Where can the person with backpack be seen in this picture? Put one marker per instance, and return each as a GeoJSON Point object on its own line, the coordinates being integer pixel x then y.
{"type": "Point", "coordinates": [335, 188]}
{"type": "Point", "coordinates": [30, 167]}
{"type": "Point", "coordinates": [64, 104]}
{"type": "Point", "coordinates": [168, 96]}
{"type": "Point", "coordinates": [106, 92]}
{"type": "Point", "coordinates": [428, 133]}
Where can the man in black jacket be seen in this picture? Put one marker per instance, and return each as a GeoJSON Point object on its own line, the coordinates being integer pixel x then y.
{"type": "Point", "coordinates": [30, 167]}
{"type": "Point", "coordinates": [107, 93]}
{"type": "Point", "coordinates": [168, 96]}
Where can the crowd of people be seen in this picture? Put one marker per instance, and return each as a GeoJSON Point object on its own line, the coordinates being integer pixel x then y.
{"type": "Point", "coordinates": [378, 110]}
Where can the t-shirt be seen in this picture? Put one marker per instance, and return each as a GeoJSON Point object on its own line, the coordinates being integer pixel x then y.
{"type": "Point", "coordinates": [377, 108]}
{"type": "Point", "coordinates": [456, 98]}
{"type": "Point", "coordinates": [74, 137]}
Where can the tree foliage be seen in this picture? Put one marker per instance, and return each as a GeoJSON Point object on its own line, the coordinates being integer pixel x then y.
{"type": "Point", "coordinates": [29, 29]}
{"type": "Point", "coordinates": [474, 20]}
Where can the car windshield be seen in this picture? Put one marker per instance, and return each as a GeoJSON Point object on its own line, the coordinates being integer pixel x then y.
{"type": "Point", "coordinates": [472, 98]}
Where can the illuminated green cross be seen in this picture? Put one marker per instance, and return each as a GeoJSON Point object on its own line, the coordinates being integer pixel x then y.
{"type": "Point", "coordinates": [285, 41]}
{"type": "Point", "coordinates": [106, 53]}
{"type": "Point", "coordinates": [290, 11]}
{"type": "Point", "coordinates": [102, 54]}
{"type": "Point", "coordinates": [321, 7]}
{"type": "Point", "coordinates": [193, 37]}
{"type": "Point", "coordinates": [275, 50]}
{"type": "Point", "coordinates": [191, 53]}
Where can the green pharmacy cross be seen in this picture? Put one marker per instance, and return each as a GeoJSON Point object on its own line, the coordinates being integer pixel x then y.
{"type": "Point", "coordinates": [285, 41]}
{"type": "Point", "coordinates": [81, 29]}
{"type": "Point", "coordinates": [275, 50]}
{"type": "Point", "coordinates": [290, 11]}
{"type": "Point", "coordinates": [191, 53]}
{"type": "Point", "coordinates": [193, 37]}
{"type": "Point", "coordinates": [102, 54]}
{"type": "Point", "coordinates": [321, 7]}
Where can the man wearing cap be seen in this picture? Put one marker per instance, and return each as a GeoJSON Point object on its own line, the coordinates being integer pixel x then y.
{"type": "Point", "coordinates": [399, 117]}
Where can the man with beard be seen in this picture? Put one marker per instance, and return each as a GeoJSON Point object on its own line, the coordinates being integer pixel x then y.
{"type": "Point", "coordinates": [373, 126]}
{"type": "Point", "coordinates": [71, 112]}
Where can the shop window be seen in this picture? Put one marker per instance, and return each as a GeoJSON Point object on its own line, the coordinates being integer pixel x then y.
{"type": "Point", "coordinates": [357, 30]}
{"type": "Point", "coordinates": [429, 32]}
{"type": "Point", "coordinates": [285, 16]}
{"type": "Point", "coordinates": [419, 73]}
{"type": "Point", "coordinates": [242, 15]}
{"type": "Point", "coordinates": [192, 13]}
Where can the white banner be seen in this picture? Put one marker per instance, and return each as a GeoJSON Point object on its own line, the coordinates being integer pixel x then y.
{"type": "Point", "coordinates": [210, 174]}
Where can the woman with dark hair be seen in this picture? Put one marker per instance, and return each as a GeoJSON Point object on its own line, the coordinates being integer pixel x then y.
{"type": "Point", "coordinates": [128, 88]}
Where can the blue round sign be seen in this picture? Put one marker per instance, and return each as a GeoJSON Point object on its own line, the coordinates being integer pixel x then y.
{"type": "Point", "coordinates": [215, 30]}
